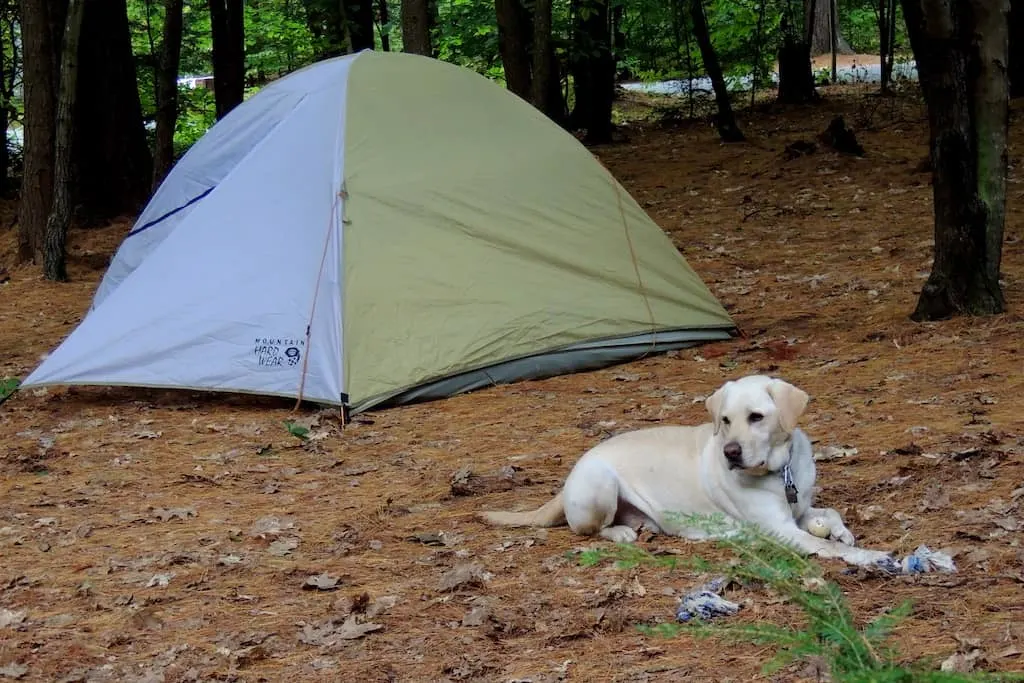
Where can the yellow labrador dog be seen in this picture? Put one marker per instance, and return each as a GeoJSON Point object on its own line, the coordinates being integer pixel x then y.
{"type": "Point", "coordinates": [750, 463]}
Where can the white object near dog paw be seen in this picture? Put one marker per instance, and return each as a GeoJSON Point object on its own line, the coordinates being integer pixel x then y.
{"type": "Point", "coordinates": [819, 527]}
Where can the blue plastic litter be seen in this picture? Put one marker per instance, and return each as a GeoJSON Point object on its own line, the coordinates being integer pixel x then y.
{"type": "Point", "coordinates": [705, 602]}
{"type": "Point", "coordinates": [924, 559]}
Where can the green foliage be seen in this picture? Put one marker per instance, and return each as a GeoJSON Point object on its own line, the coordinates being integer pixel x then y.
{"type": "Point", "coordinates": [298, 431]}
{"type": "Point", "coordinates": [853, 653]}
{"type": "Point", "coordinates": [8, 385]}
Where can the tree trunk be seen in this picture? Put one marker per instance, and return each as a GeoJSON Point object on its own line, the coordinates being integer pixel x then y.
{"type": "Point", "coordinates": [54, 249]}
{"type": "Point", "coordinates": [113, 166]}
{"type": "Point", "coordinates": [796, 80]}
{"type": "Point", "coordinates": [961, 50]}
{"type": "Point", "coordinates": [547, 94]}
{"type": "Point", "coordinates": [416, 27]}
{"type": "Point", "coordinates": [821, 30]}
{"type": "Point", "coordinates": [167, 91]}
{"type": "Point", "coordinates": [1016, 58]}
{"type": "Point", "coordinates": [383, 16]}
{"type": "Point", "coordinates": [40, 35]}
{"type": "Point", "coordinates": [360, 24]}
{"type": "Point", "coordinates": [515, 35]}
{"type": "Point", "coordinates": [228, 32]}
{"type": "Point", "coordinates": [593, 72]}
{"type": "Point", "coordinates": [885, 18]}
{"type": "Point", "coordinates": [726, 120]}
{"type": "Point", "coordinates": [5, 154]}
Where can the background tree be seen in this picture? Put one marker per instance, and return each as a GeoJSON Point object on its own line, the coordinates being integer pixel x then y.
{"type": "Point", "coordinates": [167, 90]}
{"type": "Point", "coordinates": [962, 50]}
{"type": "Point", "coordinates": [228, 35]}
{"type": "Point", "coordinates": [41, 30]}
{"type": "Point", "coordinates": [113, 163]}
{"type": "Point", "coordinates": [515, 43]}
{"type": "Point", "coordinates": [725, 120]}
{"type": "Point", "coordinates": [416, 27]}
{"type": "Point", "coordinates": [592, 65]}
{"type": "Point", "coordinates": [54, 252]}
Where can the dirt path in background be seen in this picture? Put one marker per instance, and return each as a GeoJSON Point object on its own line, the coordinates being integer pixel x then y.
{"type": "Point", "coordinates": [168, 536]}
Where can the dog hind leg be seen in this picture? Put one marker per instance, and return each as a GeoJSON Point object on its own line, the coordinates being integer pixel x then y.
{"type": "Point", "coordinates": [591, 499]}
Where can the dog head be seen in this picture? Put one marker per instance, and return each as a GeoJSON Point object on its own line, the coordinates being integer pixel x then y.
{"type": "Point", "coordinates": [753, 419]}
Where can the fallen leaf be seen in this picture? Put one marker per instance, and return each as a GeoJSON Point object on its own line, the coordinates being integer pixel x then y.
{"type": "Point", "coordinates": [330, 634]}
{"type": "Point", "coordinates": [13, 670]}
{"type": "Point", "coordinates": [476, 616]}
{"type": "Point", "coordinates": [323, 582]}
{"type": "Point", "coordinates": [11, 617]}
{"type": "Point", "coordinates": [159, 580]}
{"type": "Point", "coordinates": [835, 452]}
{"type": "Point", "coordinates": [229, 560]}
{"type": "Point", "coordinates": [472, 574]}
{"type": "Point", "coordinates": [960, 662]}
{"type": "Point", "coordinates": [283, 546]}
{"type": "Point", "coordinates": [172, 513]}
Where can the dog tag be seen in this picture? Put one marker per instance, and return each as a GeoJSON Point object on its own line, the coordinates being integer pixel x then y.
{"type": "Point", "coordinates": [791, 494]}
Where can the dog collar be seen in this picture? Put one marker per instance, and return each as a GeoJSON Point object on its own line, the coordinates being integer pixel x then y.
{"type": "Point", "coordinates": [787, 478]}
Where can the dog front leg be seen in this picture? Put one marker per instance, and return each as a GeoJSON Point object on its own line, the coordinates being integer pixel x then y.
{"type": "Point", "coordinates": [826, 548]}
{"type": "Point", "coordinates": [833, 519]}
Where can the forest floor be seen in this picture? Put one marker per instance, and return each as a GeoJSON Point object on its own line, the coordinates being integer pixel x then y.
{"type": "Point", "coordinates": [162, 536]}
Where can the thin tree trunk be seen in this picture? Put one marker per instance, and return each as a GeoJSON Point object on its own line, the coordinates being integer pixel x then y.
{"type": "Point", "coordinates": [384, 17]}
{"type": "Point", "coordinates": [515, 35]}
{"type": "Point", "coordinates": [1016, 19]}
{"type": "Point", "coordinates": [5, 155]}
{"type": "Point", "coordinates": [547, 95]}
{"type": "Point", "coordinates": [39, 78]}
{"type": "Point", "coordinates": [833, 34]}
{"type": "Point", "coordinates": [54, 249]}
{"type": "Point", "coordinates": [416, 27]}
{"type": "Point", "coordinates": [883, 44]}
{"type": "Point", "coordinates": [726, 120]}
{"type": "Point", "coordinates": [961, 49]}
{"type": "Point", "coordinates": [167, 91]}
{"type": "Point", "coordinates": [227, 21]}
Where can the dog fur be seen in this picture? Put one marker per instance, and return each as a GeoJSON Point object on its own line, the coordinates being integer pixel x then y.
{"type": "Point", "coordinates": [732, 465]}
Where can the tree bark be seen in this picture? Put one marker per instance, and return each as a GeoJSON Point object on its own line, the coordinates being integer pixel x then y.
{"type": "Point", "coordinates": [416, 27]}
{"type": "Point", "coordinates": [54, 248]}
{"type": "Point", "coordinates": [546, 93]}
{"type": "Point", "coordinates": [41, 23]}
{"type": "Point", "coordinates": [360, 19]}
{"type": "Point", "coordinates": [796, 80]}
{"type": "Point", "coordinates": [961, 50]}
{"type": "Point", "coordinates": [113, 165]}
{"type": "Point", "coordinates": [593, 72]}
{"type": "Point", "coordinates": [167, 91]}
{"type": "Point", "coordinates": [821, 30]}
{"type": "Point", "coordinates": [886, 22]}
{"type": "Point", "coordinates": [5, 103]}
{"type": "Point", "coordinates": [383, 16]}
{"type": "Point", "coordinates": [515, 35]}
{"type": "Point", "coordinates": [1016, 19]}
{"type": "Point", "coordinates": [726, 120]}
{"type": "Point", "coordinates": [228, 31]}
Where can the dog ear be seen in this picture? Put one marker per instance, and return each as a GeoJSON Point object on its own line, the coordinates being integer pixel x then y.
{"type": "Point", "coordinates": [713, 403]}
{"type": "Point", "coordinates": [790, 401]}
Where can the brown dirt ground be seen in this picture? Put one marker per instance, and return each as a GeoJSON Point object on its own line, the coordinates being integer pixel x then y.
{"type": "Point", "coordinates": [105, 494]}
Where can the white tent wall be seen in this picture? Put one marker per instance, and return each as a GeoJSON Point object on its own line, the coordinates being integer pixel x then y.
{"type": "Point", "coordinates": [225, 299]}
{"type": "Point", "coordinates": [210, 160]}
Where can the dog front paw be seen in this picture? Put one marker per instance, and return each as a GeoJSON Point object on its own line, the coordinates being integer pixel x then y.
{"type": "Point", "coordinates": [619, 534]}
{"type": "Point", "coordinates": [844, 536]}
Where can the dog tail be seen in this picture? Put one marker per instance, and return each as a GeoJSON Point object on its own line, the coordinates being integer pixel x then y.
{"type": "Point", "coordinates": [551, 513]}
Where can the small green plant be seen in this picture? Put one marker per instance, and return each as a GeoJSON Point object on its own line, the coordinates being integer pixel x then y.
{"type": "Point", "coordinates": [8, 385]}
{"type": "Point", "coordinates": [853, 654]}
{"type": "Point", "coordinates": [298, 431]}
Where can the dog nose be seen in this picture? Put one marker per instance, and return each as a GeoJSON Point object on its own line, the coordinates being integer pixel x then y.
{"type": "Point", "coordinates": [733, 453]}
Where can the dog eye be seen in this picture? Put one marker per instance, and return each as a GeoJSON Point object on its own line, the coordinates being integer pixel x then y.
{"type": "Point", "coordinates": [756, 417]}
{"type": "Point", "coordinates": [725, 420]}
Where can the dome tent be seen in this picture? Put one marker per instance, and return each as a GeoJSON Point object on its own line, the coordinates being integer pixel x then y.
{"type": "Point", "coordinates": [380, 228]}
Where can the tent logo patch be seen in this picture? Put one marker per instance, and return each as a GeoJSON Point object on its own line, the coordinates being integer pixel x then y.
{"type": "Point", "coordinates": [278, 352]}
